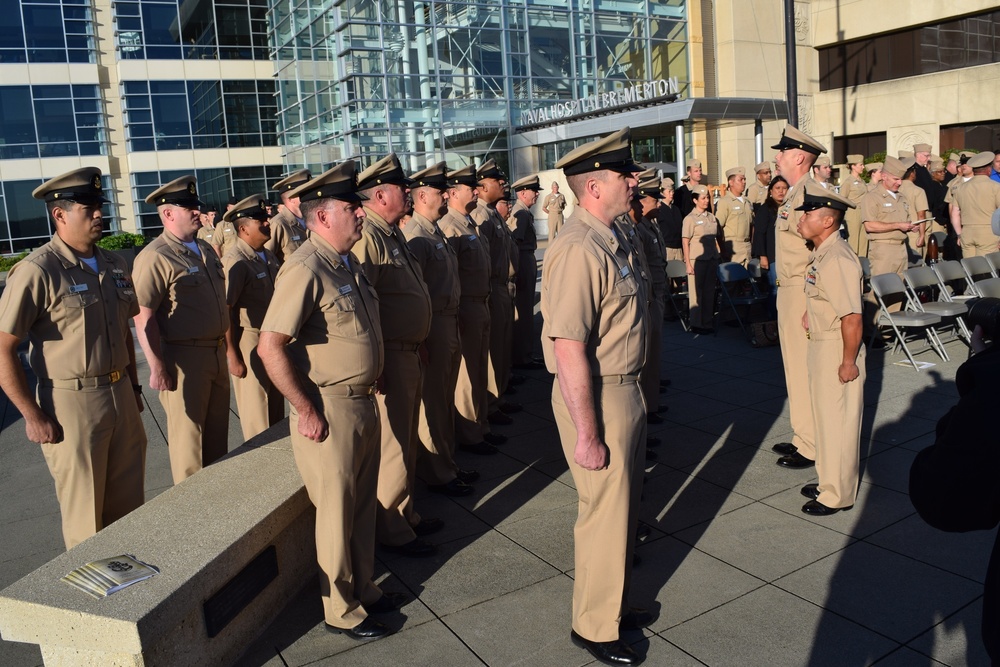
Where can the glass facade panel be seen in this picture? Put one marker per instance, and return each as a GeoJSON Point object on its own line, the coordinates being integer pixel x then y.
{"type": "Point", "coordinates": [49, 121]}
{"type": "Point", "coordinates": [34, 31]}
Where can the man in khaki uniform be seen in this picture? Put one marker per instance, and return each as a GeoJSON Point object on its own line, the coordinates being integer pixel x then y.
{"type": "Point", "coordinates": [439, 264]}
{"type": "Point", "coordinates": [854, 189]}
{"type": "Point", "coordinates": [404, 308]}
{"type": "Point", "coordinates": [963, 176]}
{"type": "Point", "coordinates": [975, 203]}
{"type": "Point", "coordinates": [916, 204]}
{"type": "Point", "coordinates": [886, 218]}
{"type": "Point", "coordinates": [321, 343]}
{"type": "Point", "coordinates": [836, 358]}
{"type": "Point", "coordinates": [593, 338]}
{"type": "Point", "coordinates": [735, 216]}
{"type": "Point", "coordinates": [73, 301]}
{"type": "Point", "coordinates": [207, 224]}
{"type": "Point", "coordinates": [796, 153]}
{"type": "Point", "coordinates": [522, 226]}
{"type": "Point", "coordinates": [503, 268]}
{"type": "Point", "coordinates": [822, 170]}
{"type": "Point", "coordinates": [250, 273]}
{"type": "Point", "coordinates": [224, 236]}
{"type": "Point", "coordinates": [181, 327]}
{"type": "Point", "coordinates": [757, 191]}
{"type": "Point", "coordinates": [288, 229]}
{"type": "Point", "coordinates": [471, 394]}
{"type": "Point", "coordinates": [553, 206]}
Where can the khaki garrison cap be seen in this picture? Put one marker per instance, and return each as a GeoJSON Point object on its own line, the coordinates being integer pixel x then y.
{"type": "Point", "coordinates": [736, 171]}
{"type": "Point", "coordinates": [893, 167]}
{"type": "Point", "coordinates": [905, 154]}
{"type": "Point", "coordinates": [699, 189]}
{"type": "Point", "coordinates": [526, 183]}
{"type": "Point", "coordinates": [873, 166]}
{"type": "Point", "coordinates": [254, 206]}
{"type": "Point", "coordinates": [981, 160]}
{"type": "Point", "coordinates": [936, 165]}
{"type": "Point", "coordinates": [80, 185]}
{"type": "Point", "coordinates": [434, 176]}
{"type": "Point", "coordinates": [691, 164]}
{"type": "Point", "coordinates": [921, 148]}
{"type": "Point", "coordinates": [464, 176]}
{"type": "Point", "coordinates": [822, 161]}
{"type": "Point", "coordinates": [763, 166]}
{"type": "Point", "coordinates": [613, 152]}
{"type": "Point", "coordinates": [340, 182]}
{"type": "Point", "coordinates": [181, 192]}
{"type": "Point", "coordinates": [667, 184]}
{"type": "Point", "coordinates": [292, 181]}
{"type": "Point", "coordinates": [855, 159]}
{"type": "Point", "coordinates": [489, 169]}
{"type": "Point", "coordinates": [817, 196]}
{"type": "Point", "coordinates": [650, 188]}
{"type": "Point", "coordinates": [387, 171]}
{"type": "Point", "coordinates": [792, 137]}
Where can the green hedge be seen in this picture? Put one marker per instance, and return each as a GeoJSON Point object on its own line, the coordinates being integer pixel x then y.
{"type": "Point", "coordinates": [121, 241]}
{"type": "Point", "coordinates": [7, 262]}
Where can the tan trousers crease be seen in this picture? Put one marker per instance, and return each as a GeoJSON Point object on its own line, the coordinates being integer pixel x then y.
{"type": "Point", "coordinates": [99, 468]}
{"type": "Point", "coordinates": [399, 412]}
{"type": "Point", "coordinates": [793, 342]}
{"type": "Point", "coordinates": [471, 389]}
{"type": "Point", "coordinates": [524, 322]}
{"type": "Point", "coordinates": [501, 329]}
{"type": "Point", "coordinates": [650, 375]}
{"type": "Point", "coordinates": [838, 409]}
{"type": "Point", "coordinates": [260, 404]}
{"type": "Point", "coordinates": [608, 507]}
{"type": "Point", "coordinates": [435, 458]}
{"type": "Point", "coordinates": [341, 477]}
{"type": "Point", "coordinates": [198, 410]}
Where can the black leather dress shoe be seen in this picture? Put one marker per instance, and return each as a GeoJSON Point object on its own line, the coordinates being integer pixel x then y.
{"type": "Point", "coordinates": [467, 476]}
{"type": "Point", "coordinates": [456, 488]}
{"type": "Point", "coordinates": [510, 407]}
{"type": "Point", "coordinates": [495, 439]}
{"type": "Point", "coordinates": [428, 526]}
{"type": "Point", "coordinates": [653, 418]}
{"type": "Point", "coordinates": [784, 448]}
{"type": "Point", "coordinates": [415, 548]}
{"type": "Point", "coordinates": [388, 602]}
{"type": "Point", "coordinates": [636, 619]}
{"type": "Point", "coordinates": [365, 631]}
{"type": "Point", "coordinates": [810, 491]}
{"type": "Point", "coordinates": [795, 461]}
{"type": "Point", "coordinates": [608, 653]}
{"type": "Point", "coordinates": [500, 419]}
{"type": "Point", "coordinates": [816, 508]}
{"type": "Point", "coordinates": [481, 448]}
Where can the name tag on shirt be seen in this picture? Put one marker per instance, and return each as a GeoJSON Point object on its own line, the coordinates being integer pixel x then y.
{"type": "Point", "coordinates": [193, 269]}
{"type": "Point", "coordinates": [439, 246]}
{"type": "Point", "coordinates": [395, 252]}
{"type": "Point", "coordinates": [346, 289]}
{"type": "Point", "coordinates": [887, 204]}
{"type": "Point", "coordinates": [261, 274]}
{"type": "Point", "coordinates": [472, 237]}
{"type": "Point", "coordinates": [736, 208]}
{"type": "Point", "coordinates": [624, 272]}
{"type": "Point", "coordinates": [296, 238]}
{"type": "Point", "coordinates": [700, 222]}
{"type": "Point", "coordinates": [76, 289]}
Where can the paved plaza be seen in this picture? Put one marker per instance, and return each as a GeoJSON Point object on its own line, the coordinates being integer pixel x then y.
{"type": "Point", "coordinates": [735, 572]}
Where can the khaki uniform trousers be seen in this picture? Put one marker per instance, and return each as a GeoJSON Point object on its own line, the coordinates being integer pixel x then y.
{"type": "Point", "coordinates": [260, 404]}
{"type": "Point", "coordinates": [794, 350]}
{"type": "Point", "coordinates": [741, 252]}
{"type": "Point", "coordinates": [436, 457]}
{"type": "Point", "coordinates": [524, 321]}
{"type": "Point", "coordinates": [473, 376]}
{"type": "Point", "coordinates": [857, 237]}
{"type": "Point", "coordinates": [837, 408]}
{"type": "Point", "coordinates": [198, 410]}
{"type": "Point", "coordinates": [675, 253]}
{"type": "Point", "coordinates": [99, 468]}
{"type": "Point", "coordinates": [650, 375]}
{"type": "Point", "coordinates": [501, 307]}
{"type": "Point", "coordinates": [886, 257]}
{"type": "Point", "coordinates": [978, 240]}
{"type": "Point", "coordinates": [399, 411]}
{"type": "Point", "coordinates": [341, 476]}
{"type": "Point", "coordinates": [608, 509]}
{"type": "Point", "coordinates": [555, 224]}
{"type": "Point", "coordinates": [701, 292]}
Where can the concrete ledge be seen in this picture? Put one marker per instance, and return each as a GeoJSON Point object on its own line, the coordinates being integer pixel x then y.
{"type": "Point", "coordinates": [201, 534]}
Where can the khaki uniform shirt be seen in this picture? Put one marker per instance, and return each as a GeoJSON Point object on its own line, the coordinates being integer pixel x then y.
{"type": "Point", "coordinates": [522, 227]}
{"type": "Point", "coordinates": [205, 234]}
{"type": "Point", "coordinates": [473, 254]}
{"type": "Point", "coordinates": [76, 320]}
{"type": "Point", "coordinates": [790, 252]}
{"type": "Point", "coordinates": [331, 312]}
{"type": "Point", "coordinates": [953, 187]}
{"type": "Point", "coordinates": [287, 234]}
{"type": "Point", "coordinates": [554, 205]}
{"type": "Point", "coordinates": [735, 217]}
{"type": "Point", "coordinates": [249, 283]}
{"type": "Point", "coordinates": [703, 230]}
{"type": "Point", "coordinates": [438, 262]}
{"type": "Point", "coordinates": [503, 252]}
{"type": "Point", "coordinates": [756, 193]}
{"type": "Point", "coordinates": [853, 189]}
{"type": "Point", "coordinates": [591, 294]}
{"type": "Point", "coordinates": [916, 199]}
{"type": "Point", "coordinates": [833, 285]}
{"type": "Point", "coordinates": [880, 206]}
{"type": "Point", "coordinates": [977, 200]}
{"type": "Point", "coordinates": [187, 292]}
{"type": "Point", "coordinates": [225, 235]}
{"type": "Point", "coordinates": [404, 303]}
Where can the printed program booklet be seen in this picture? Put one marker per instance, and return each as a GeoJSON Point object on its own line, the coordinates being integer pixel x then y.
{"type": "Point", "coordinates": [101, 578]}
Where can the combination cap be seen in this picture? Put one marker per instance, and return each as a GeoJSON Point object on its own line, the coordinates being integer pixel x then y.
{"type": "Point", "coordinates": [434, 176]}
{"type": "Point", "coordinates": [292, 181]}
{"type": "Point", "coordinates": [181, 192]}
{"type": "Point", "coordinates": [387, 171]}
{"type": "Point", "coordinates": [792, 137]}
{"type": "Point", "coordinates": [613, 152]}
{"type": "Point", "coordinates": [816, 196]}
{"type": "Point", "coordinates": [526, 183]}
{"type": "Point", "coordinates": [489, 169]}
{"type": "Point", "coordinates": [464, 176]}
{"type": "Point", "coordinates": [254, 206]}
{"type": "Point", "coordinates": [340, 182]}
{"type": "Point", "coordinates": [80, 185]}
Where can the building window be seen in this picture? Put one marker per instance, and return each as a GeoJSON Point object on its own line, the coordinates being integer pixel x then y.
{"type": "Point", "coordinates": [964, 42]}
{"type": "Point", "coordinates": [39, 31]}
{"type": "Point", "coordinates": [859, 144]}
{"type": "Point", "coordinates": [172, 115]}
{"type": "Point", "coordinates": [215, 186]}
{"type": "Point", "coordinates": [51, 121]}
{"type": "Point", "coordinates": [192, 30]}
{"type": "Point", "coordinates": [982, 136]}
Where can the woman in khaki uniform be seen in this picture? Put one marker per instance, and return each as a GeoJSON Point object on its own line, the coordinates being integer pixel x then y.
{"type": "Point", "coordinates": [699, 238]}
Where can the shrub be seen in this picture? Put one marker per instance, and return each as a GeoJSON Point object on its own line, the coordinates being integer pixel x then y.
{"type": "Point", "coordinates": [121, 241]}
{"type": "Point", "coordinates": [7, 262]}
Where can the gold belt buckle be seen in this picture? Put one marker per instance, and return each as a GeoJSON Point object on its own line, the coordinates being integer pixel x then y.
{"type": "Point", "coordinates": [115, 376]}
